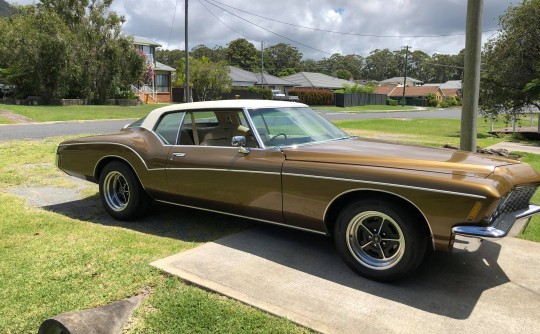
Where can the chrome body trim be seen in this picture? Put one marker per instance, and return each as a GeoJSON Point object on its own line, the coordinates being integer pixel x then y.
{"type": "Point", "coordinates": [382, 191]}
{"type": "Point", "coordinates": [246, 217]}
{"type": "Point", "coordinates": [226, 170]}
{"type": "Point", "coordinates": [110, 143]}
{"type": "Point", "coordinates": [388, 184]}
{"type": "Point", "coordinates": [253, 128]}
{"type": "Point", "coordinates": [511, 223]}
{"type": "Point", "coordinates": [124, 160]}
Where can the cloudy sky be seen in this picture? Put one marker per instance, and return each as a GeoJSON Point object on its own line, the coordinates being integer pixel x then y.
{"type": "Point", "coordinates": [363, 25]}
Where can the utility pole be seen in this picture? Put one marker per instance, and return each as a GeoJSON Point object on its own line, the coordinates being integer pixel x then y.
{"type": "Point", "coordinates": [187, 93]}
{"type": "Point", "coordinates": [405, 75]}
{"type": "Point", "coordinates": [262, 64]}
{"type": "Point", "coordinates": [471, 84]}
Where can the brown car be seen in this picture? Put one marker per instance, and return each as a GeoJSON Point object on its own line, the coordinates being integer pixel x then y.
{"type": "Point", "coordinates": [280, 162]}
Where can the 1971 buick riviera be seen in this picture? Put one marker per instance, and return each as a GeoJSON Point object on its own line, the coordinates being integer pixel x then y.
{"type": "Point", "coordinates": [280, 162]}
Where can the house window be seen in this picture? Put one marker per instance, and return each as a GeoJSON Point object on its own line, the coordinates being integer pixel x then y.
{"type": "Point", "coordinates": [162, 82]}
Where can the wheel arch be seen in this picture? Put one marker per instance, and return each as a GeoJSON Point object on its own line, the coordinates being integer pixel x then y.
{"type": "Point", "coordinates": [100, 165]}
{"type": "Point", "coordinates": [340, 201]}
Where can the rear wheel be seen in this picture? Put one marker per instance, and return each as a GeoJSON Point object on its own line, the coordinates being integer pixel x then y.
{"type": "Point", "coordinates": [121, 192]}
{"type": "Point", "coordinates": [379, 240]}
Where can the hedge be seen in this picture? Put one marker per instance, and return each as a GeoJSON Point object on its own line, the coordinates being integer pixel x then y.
{"type": "Point", "coordinates": [317, 97]}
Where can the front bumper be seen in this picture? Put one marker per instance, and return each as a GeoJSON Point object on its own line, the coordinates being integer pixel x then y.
{"type": "Point", "coordinates": [469, 238]}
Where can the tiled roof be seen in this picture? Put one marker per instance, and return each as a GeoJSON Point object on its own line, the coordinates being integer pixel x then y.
{"type": "Point", "coordinates": [241, 77]}
{"type": "Point", "coordinates": [162, 67]}
{"type": "Point", "coordinates": [414, 91]}
{"type": "Point", "coordinates": [317, 80]}
{"type": "Point", "coordinates": [273, 80]}
{"type": "Point", "coordinates": [399, 80]}
{"type": "Point", "coordinates": [385, 89]}
{"type": "Point", "coordinates": [450, 84]}
{"type": "Point", "coordinates": [450, 92]}
{"type": "Point", "coordinates": [138, 40]}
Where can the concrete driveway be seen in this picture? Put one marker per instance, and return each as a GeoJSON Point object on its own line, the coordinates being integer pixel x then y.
{"type": "Point", "coordinates": [299, 276]}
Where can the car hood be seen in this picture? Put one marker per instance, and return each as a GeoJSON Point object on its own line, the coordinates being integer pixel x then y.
{"type": "Point", "coordinates": [367, 152]}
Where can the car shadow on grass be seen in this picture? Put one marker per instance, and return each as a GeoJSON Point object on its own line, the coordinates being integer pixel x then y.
{"type": "Point", "coordinates": [448, 284]}
{"type": "Point", "coordinates": [162, 220]}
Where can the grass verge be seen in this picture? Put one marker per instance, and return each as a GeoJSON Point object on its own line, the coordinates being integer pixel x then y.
{"type": "Point", "coordinates": [5, 121]}
{"type": "Point", "coordinates": [372, 108]}
{"type": "Point", "coordinates": [75, 113]}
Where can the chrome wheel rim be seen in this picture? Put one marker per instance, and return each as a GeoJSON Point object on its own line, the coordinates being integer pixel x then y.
{"type": "Point", "coordinates": [116, 191]}
{"type": "Point", "coordinates": [375, 240]}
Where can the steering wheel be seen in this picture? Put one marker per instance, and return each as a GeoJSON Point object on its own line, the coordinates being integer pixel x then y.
{"type": "Point", "coordinates": [279, 134]}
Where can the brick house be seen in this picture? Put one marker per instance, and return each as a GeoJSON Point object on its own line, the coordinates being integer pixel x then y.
{"type": "Point", "coordinates": [159, 90]}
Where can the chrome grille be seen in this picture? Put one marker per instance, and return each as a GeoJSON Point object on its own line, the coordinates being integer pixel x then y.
{"type": "Point", "coordinates": [518, 199]}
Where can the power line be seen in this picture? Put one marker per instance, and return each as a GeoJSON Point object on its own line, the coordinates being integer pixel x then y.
{"type": "Point", "coordinates": [342, 32]}
{"type": "Point", "coordinates": [265, 29]}
{"type": "Point", "coordinates": [217, 18]}
{"type": "Point", "coordinates": [172, 24]}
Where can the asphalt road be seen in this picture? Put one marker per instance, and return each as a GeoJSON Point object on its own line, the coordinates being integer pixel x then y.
{"type": "Point", "coordinates": [44, 130]}
{"type": "Point", "coordinates": [53, 129]}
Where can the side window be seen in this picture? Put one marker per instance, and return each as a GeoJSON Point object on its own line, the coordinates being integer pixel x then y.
{"type": "Point", "coordinates": [167, 128]}
{"type": "Point", "coordinates": [216, 128]}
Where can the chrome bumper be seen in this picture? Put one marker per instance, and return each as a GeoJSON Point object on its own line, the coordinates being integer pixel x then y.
{"type": "Point", "coordinates": [469, 238]}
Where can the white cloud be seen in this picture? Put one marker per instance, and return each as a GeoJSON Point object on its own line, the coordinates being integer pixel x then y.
{"type": "Point", "coordinates": [153, 18]}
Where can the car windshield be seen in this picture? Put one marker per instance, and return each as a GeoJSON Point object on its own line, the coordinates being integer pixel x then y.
{"type": "Point", "coordinates": [293, 126]}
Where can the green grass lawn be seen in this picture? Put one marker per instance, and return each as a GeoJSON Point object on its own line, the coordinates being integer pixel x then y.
{"type": "Point", "coordinates": [53, 262]}
{"type": "Point", "coordinates": [425, 131]}
{"type": "Point", "coordinates": [373, 108]}
{"type": "Point", "coordinates": [73, 113]}
{"type": "Point", "coordinates": [5, 121]}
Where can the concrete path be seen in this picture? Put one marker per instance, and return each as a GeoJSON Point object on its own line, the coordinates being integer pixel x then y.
{"type": "Point", "coordinates": [299, 276]}
{"type": "Point", "coordinates": [517, 147]}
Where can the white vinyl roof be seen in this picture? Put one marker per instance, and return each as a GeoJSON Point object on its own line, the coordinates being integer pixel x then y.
{"type": "Point", "coordinates": [155, 114]}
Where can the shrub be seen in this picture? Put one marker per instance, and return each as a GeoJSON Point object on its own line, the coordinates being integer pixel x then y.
{"type": "Point", "coordinates": [432, 100]}
{"type": "Point", "coordinates": [265, 92]}
{"type": "Point", "coordinates": [392, 102]}
{"type": "Point", "coordinates": [318, 97]}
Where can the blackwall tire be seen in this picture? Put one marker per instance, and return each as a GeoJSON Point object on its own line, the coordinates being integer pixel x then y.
{"type": "Point", "coordinates": [121, 193]}
{"type": "Point", "coordinates": [380, 240]}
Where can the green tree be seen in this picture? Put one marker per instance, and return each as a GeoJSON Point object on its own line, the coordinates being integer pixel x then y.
{"type": "Point", "coordinates": [382, 64]}
{"type": "Point", "coordinates": [68, 48]}
{"type": "Point", "coordinates": [241, 53]}
{"type": "Point", "coordinates": [343, 74]}
{"type": "Point", "coordinates": [209, 79]}
{"type": "Point", "coordinates": [282, 56]}
{"type": "Point", "coordinates": [216, 54]}
{"type": "Point", "coordinates": [511, 61]}
{"type": "Point", "coordinates": [34, 53]}
{"type": "Point", "coordinates": [170, 57]}
{"type": "Point", "coordinates": [286, 72]}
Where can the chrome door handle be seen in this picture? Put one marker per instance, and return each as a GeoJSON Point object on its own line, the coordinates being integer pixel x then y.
{"type": "Point", "coordinates": [178, 155]}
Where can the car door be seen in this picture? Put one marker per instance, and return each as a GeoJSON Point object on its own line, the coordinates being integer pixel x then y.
{"type": "Point", "coordinates": [205, 171]}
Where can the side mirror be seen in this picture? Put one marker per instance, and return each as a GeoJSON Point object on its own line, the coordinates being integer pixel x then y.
{"type": "Point", "coordinates": [240, 141]}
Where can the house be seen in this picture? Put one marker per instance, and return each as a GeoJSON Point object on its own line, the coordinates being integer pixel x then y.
{"type": "Point", "coordinates": [243, 78]}
{"type": "Point", "coordinates": [399, 81]}
{"type": "Point", "coordinates": [385, 89]}
{"type": "Point", "coordinates": [316, 80]}
{"type": "Point", "coordinates": [273, 82]}
{"type": "Point", "coordinates": [449, 92]}
{"type": "Point", "coordinates": [449, 88]}
{"type": "Point", "coordinates": [159, 90]}
{"type": "Point", "coordinates": [415, 95]}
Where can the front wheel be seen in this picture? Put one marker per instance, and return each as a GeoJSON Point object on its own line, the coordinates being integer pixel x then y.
{"type": "Point", "coordinates": [379, 240]}
{"type": "Point", "coordinates": [121, 193]}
